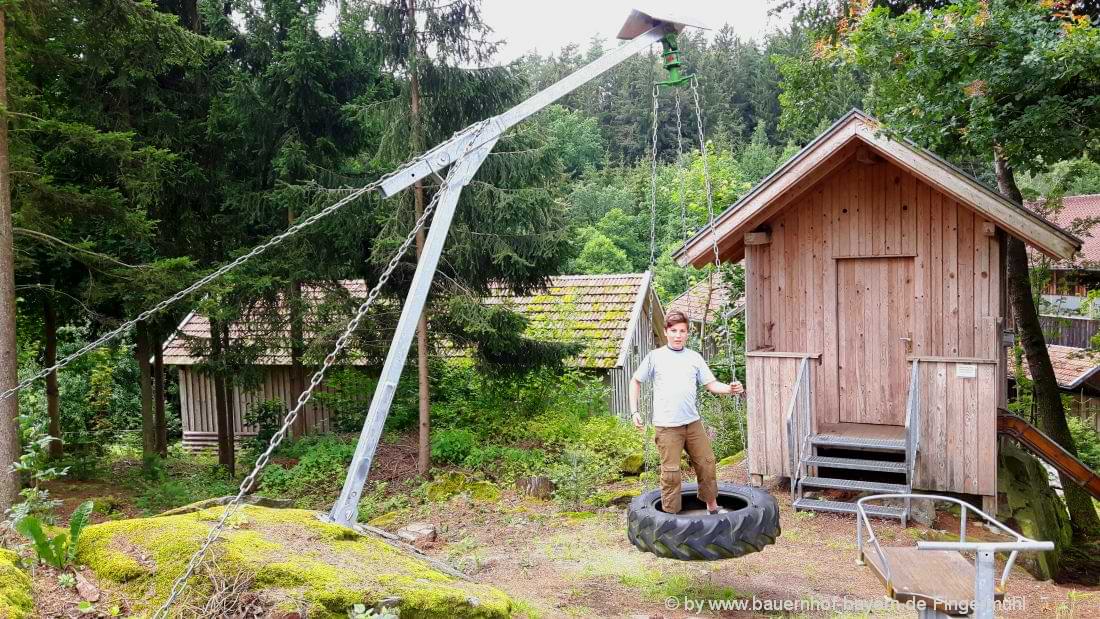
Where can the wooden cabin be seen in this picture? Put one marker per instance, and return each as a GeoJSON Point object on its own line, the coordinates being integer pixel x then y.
{"type": "Point", "coordinates": [875, 317]}
{"type": "Point", "coordinates": [616, 318]}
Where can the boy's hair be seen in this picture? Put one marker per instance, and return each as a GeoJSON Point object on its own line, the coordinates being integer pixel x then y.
{"type": "Point", "coordinates": [675, 318]}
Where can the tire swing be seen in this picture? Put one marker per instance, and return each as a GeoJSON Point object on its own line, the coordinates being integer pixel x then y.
{"type": "Point", "coordinates": [749, 518]}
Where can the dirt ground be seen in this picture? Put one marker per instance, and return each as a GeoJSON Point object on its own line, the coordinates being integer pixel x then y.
{"type": "Point", "coordinates": [561, 566]}
{"type": "Point", "coordinates": [568, 564]}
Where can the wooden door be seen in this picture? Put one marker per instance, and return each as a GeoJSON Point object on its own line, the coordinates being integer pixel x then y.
{"type": "Point", "coordinates": [874, 337]}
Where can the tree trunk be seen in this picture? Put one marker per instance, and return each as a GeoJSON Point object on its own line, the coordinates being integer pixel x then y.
{"type": "Point", "coordinates": [53, 405]}
{"type": "Point", "coordinates": [9, 360]}
{"type": "Point", "coordinates": [221, 399]}
{"type": "Point", "coordinates": [230, 409]}
{"type": "Point", "coordinates": [1048, 400]}
{"type": "Point", "coordinates": [159, 420]}
{"type": "Point", "coordinates": [142, 350]}
{"type": "Point", "coordinates": [424, 461]}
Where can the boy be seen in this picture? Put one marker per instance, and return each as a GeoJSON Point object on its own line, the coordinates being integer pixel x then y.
{"type": "Point", "coordinates": [676, 371]}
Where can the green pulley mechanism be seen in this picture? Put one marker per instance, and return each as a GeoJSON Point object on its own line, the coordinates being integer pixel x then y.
{"type": "Point", "coordinates": [671, 53]}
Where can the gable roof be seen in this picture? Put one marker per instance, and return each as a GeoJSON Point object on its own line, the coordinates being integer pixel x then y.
{"type": "Point", "coordinates": [840, 143]}
{"type": "Point", "coordinates": [693, 302]}
{"type": "Point", "coordinates": [1079, 207]}
{"type": "Point", "coordinates": [598, 311]}
{"type": "Point", "coordinates": [1072, 366]}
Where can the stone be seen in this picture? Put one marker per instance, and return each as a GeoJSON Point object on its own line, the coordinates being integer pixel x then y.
{"type": "Point", "coordinates": [1029, 505]}
{"type": "Point", "coordinates": [446, 486]}
{"type": "Point", "coordinates": [619, 497]}
{"type": "Point", "coordinates": [632, 464]}
{"type": "Point", "coordinates": [484, 491]}
{"type": "Point", "coordinates": [417, 533]}
{"type": "Point", "coordinates": [85, 589]}
{"type": "Point", "coordinates": [733, 460]}
{"type": "Point", "coordinates": [296, 562]}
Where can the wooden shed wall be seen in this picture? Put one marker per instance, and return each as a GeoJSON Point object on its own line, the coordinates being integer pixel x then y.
{"type": "Point", "coordinates": [200, 427]}
{"type": "Point", "coordinates": [640, 341]}
{"type": "Point", "coordinates": [865, 210]}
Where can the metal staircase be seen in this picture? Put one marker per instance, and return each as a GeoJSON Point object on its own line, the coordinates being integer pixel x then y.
{"type": "Point", "coordinates": [855, 464]}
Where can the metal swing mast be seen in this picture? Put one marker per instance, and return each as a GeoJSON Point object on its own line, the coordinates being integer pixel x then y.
{"type": "Point", "coordinates": [465, 152]}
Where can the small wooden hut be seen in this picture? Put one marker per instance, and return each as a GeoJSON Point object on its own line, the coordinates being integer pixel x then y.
{"type": "Point", "coordinates": [616, 318]}
{"type": "Point", "coordinates": [875, 317]}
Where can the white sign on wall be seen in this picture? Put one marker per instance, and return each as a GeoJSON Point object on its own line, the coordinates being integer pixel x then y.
{"type": "Point", "coordinates": [966, 370]}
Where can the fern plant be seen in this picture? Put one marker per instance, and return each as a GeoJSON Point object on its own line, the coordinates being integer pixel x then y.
{"type": "Point", "coordinates": [60, 550]}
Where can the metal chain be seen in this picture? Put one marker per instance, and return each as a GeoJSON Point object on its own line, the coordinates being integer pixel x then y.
{"type": "Point", "coordinates": [738, 409]}
{"type": "Point", "coordinates": [181, 582]}
{"type": "Point", "coordinates": [653, 185]}
{"type": "Point", "coordinates": [680, 164]}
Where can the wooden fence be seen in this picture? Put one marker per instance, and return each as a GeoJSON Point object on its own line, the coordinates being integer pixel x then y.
{"type": "Point", "coordinates": [1069, 330]}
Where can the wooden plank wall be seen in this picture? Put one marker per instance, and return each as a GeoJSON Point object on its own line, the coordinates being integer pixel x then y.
{"type": "Point", "coordinates": [958, 443]}
{"type": "Point", "coordinates": [641, 342]}
{"type": "Point", "coordinates": [873, 210]}
{"type": "Point", "coordinates": [200, 427]}
{"type": "Point", "coordinates": [768, 394]}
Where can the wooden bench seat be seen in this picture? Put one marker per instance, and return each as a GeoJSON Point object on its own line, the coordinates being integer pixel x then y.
{"type": "Point", "coordinates": [943, 579]}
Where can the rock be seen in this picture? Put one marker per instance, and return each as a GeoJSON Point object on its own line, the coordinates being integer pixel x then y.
{"type": "Point", "coordinates": [86, 589]}
{"type": "Point", "coordinates": [384, 520]}
{"type": "Point", "coordinates": [485, 491]}
{"type": "Point", "coordinates": [539, 486]}
{"type": "Point", "coordinates": [733, 460]}
{"type": "Point", "coordinates": [417, 533]}
{"type": "Point", "coordinates": [921, 511]}
{"type": "Point", "coordinates": [446, 486]}
{"type": "Point", "coordinates": [632, 464]}
{"type": "Point", "coordinates": [296, 562]}
{"type": "Point", "coordinates": [1030, 506]}
{"type": "Point", "coordinates": [618, 497]}
{"type": "Point", "coordinates": [15, 588]}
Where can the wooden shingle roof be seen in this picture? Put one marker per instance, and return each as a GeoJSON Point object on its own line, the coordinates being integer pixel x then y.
{"type": "Point", "coordinates": [1072, 366]}
{"type": "Point", "coordinates": [594, 310]}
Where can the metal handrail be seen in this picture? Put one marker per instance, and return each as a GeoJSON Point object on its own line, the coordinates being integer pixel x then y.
{"type": "Point", "coordinates": [912, 421]}
{"type": "Point", "coordinates": [798, 426]}
{"type": "Point", "coordinates": [1021, 543]}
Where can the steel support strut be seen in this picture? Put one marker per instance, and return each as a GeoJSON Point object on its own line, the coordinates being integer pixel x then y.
{"type": "Point", "coordinates": [465, 152]}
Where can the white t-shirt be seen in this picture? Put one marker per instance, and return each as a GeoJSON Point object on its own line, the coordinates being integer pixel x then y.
{"type": "Point", "coordinates": [676, 375]}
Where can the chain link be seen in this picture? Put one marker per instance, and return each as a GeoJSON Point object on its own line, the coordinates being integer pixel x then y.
{"type": "Point", "coordinates": [181, 582]}
{"type": "Point", "coordinates": [653, 184]}
{"type": "Point", "coordinates": [738, 409]}
{"type": "Point", "coordinates": [681, 164]}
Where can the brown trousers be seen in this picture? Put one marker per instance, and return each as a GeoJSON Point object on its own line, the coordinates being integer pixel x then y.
{"type": "Point", "coordinates": [671, 442]}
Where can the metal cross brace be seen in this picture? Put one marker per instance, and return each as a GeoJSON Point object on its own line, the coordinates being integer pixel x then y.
{"type": "Point", "coordinates": [466, 151]}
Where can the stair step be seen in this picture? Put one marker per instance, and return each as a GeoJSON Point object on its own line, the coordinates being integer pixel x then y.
{"type": "Point", "coordinates": [880, 466]}
{"type": "Point", "coordinates": [858, 442]}
{"type": "Point", "coordinates": [854, 485]}
{"type": "Point", "coordinates": [839, 507]}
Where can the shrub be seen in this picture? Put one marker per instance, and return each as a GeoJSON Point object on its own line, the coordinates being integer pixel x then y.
{"type": "Point", "coordinates": [60, 549]}
{"type": "Point", "coordinates": [200, 482]}
{"type": "Point", "coordinates": [323, 461]}
{"type": "Point", "coordinates": [577, 476]}
{"type": "Point", "coordinates": [1087, 441]}
{"type": "Point", "coordinates": [266, 417]}
{"type": "Point", "coordinates": [347, 398]}
{"type": "Point", "coordinates": [724, 422]}
{"type": "Point", "coordinates": [453, 445]}
{"type": "Point", "coordinates": [375, 502]}
{"type": "Point", "coordinates": [507, 463]}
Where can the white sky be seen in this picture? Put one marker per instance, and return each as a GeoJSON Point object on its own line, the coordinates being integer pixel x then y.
{"type": "Point", "coordinates": [547, 26]}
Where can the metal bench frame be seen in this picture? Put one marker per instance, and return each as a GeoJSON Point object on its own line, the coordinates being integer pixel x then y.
{"type": "Point", "coordinates": [984, 589]}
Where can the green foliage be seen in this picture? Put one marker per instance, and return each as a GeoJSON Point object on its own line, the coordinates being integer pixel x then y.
{"type": "Point", "coordinates": [375, 501]}
{"type": "Point", "coordinates": [576, 477]}
{"type": "Point", "coordinates": [452, 445]}
{"type": "Point", "coordinates": [1087, 441]}
{"type": "Point", "coordinates": [33, 468]}
{"type": "Point", "coordinates": [322, 464]}
{"type": "Point", "coordinates": [59, 550]}
{"type": "Point", "coordinates": [601, 255]}
{"type": "Point", "coordinates": [507, 464]}
{"type": "Point", "coordinates": [266, 416]}
{"type": "Point", "coordinates": [724, 422]}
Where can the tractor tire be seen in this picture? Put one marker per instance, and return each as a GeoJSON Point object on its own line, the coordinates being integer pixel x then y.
{"type": "Point", "coordinates": [751, 524]}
